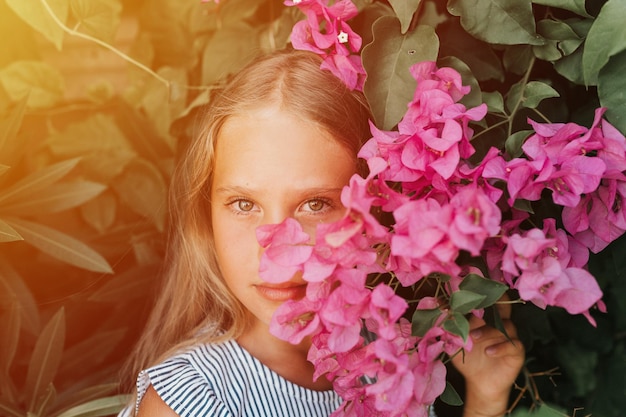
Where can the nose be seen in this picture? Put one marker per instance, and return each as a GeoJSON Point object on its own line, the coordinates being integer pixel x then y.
{"type": "Point", "coordinates": [275, 214]}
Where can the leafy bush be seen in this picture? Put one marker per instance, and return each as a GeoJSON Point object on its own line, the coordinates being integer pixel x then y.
{"type": "Point", "coordinates": [83, 177]}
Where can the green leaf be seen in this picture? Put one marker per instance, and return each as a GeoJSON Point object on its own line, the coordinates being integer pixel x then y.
{"type": "Point", "coordinates": [490, 289]}
{"type": "Point", "coordinates": [236, 10]}
{"type": "Point", "coordinates": [494, 101]}
{"type": "Point", "coordinates": [40, 82]}
{"type": "Point", "coordinates": [571, 67]}
{"type": "Point", "coordinates": [612, 91]}
{"type": "Point", "coordinates": [100, 212]}
{"type": "Point", "coordinates": [92, 351]}
{"type": "Point", "coordinates": [514, 97]}
{"type": "Point", "coordinates": [464, 301]}
{"type": "Point", "coordinates": [37, 13]}
{"type": "Point", "coordinates": [389, 86]}
{"type": "Point", "coordinates": [227, 51]}
{"type": "Point", "coordinates": [60, 246]}
{"type": "Point", "coordinates": [423, 320]}
{"type": "Point", "coordinates": [7, 233]}
{"type": "Point", "coordinates": [607, 37]}
{"type": "Point", "coordinates": [478, 55]}
{"type": "Point", "coordinates": [98, 18]}
{"type": "Point", "coordinates": [10, 323]}
{"type": "Point", "coordinates": [450, 396]}
{"type": "Point", "coordinates": [576, 6]}
{"type": "Point", "coordinates": [457, 324]}
{"type": "Point", "coordinates": [37, 181]}
{"type": "Point", "coordinates": [144, 190]}
{"type": "Point", "coordinates": [529, 95]}
{"type": "Point", "coordinates": [561, 40]}
{"type": "Point", "coordinates": [125, 285]}
{"type": "Point", "coordinates": [87, 394]}
{"type": "Point", "coordinates": [103, 156]}
{"type": "Point", "coordinates": [535, 92]}
{"type": "Point", "coordinates": [12, 283]}
{"type": "Point", "coordinates": [474, 97]}
{"type": "Point", "coordinates": [505, 22]}
{"type": "Point", "coordinates": [513, 143]}
{"type": "Point", "coordinates": [100, 407]}
{"type": "Point", "coordinates": [55, 198]}
{"type": "Point", "coordinates": [9, 410]}
{"type": "Point", "coordinates": [45, 359]}
{"type": "Point", "coordinates": [523, 205]}
{"type": "Point", "coordinates": [492, 318]}
{"type": "Point", "coordinates": [10, 149]}
{"type": "Point", "coordinates": [160, 102]}
{"type": "Point", "coordinates": [47, 398]}
{"type": "Point", "coordinates": [544, 410]}
{"type": "Point", "coordinates": [405, 10]}
{"type": "Point", "coordinates": [517, 58]}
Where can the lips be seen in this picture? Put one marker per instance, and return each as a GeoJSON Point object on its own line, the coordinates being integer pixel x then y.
{"type": "Point", "coordinates": [281, 292]}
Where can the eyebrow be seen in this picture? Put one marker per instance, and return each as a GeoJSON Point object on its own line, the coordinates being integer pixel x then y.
{"type": "Point", "coordinates": [246, 190]}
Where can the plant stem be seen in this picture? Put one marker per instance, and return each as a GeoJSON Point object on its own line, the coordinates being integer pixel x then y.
{"type": "Point", "coordinates": [521, 97]}
{"type": "Point", "coordinates": [542, 116]}
{"type": "Point", "coordinates": [493, 126]}
{"type": "Point", "coordinates": [105, 45]}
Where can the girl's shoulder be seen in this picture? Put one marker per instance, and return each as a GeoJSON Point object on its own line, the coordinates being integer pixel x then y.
{"type": "Point", "coordinates": [223, 379]}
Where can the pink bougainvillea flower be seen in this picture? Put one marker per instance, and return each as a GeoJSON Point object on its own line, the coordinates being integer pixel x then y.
{"type": "Point", "coordinates": [344, 308]}
{"type": "Point", "coordinates": [421, 237]}
{"type": "Point", "coordinates": [302, 37]}
{"type": "Point", "coordinates": [480, 174]}
{"type": "Point", "coordinates": [574, 289]}
{"type": "Point", "coordinates": [340, 244]}
{"type": "Point", "coordinates": [327, 33]}
{"type": "Point", "coordinates": [357, 196]}
{"type": "Point", "coordinates": [348, 68]}
{"type": "Point", "coordinates": [566, 249]}
{"type": "Point", "coordinates": [541, 282]}
{"type": "Point", "coordinates": [394, 379]}
{"type": "Point", "coordinates": [286, 250]}
{"type": "Point", "coordinates": [475, 218]}
{"type": "Point", "coordinates": [581, 293]}
{"type": "Point", "coordinates": [576, 176]}
{"type": "Point", "coordinates": [521, 251]}
{"type": "Point", "coordinates": [430, 382]}
{"type": "Point", "coordinates": [294, 320]}
{"type": "Point", "coordinates": [385, 308]}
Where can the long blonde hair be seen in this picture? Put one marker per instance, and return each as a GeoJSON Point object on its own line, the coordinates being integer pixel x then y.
{"type": "Point", "coordinates": [194, 305]}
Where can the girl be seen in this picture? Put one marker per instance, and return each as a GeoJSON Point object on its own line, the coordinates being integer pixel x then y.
{"type": "Point", "coordinates": [279, 141]}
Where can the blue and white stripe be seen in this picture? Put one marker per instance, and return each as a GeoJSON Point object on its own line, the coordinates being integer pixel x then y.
{"type": "Point", "coordinates": [224, 380]}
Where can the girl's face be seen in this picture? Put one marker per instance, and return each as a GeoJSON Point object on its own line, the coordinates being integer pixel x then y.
{"type": "Point", "coordinates": [270, 165]}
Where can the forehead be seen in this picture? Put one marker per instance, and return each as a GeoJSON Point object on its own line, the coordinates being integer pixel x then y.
{"type": "Point", "coordinates": [276, 143]}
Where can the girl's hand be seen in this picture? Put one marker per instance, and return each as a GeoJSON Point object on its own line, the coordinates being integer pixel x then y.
{"type": "Point", "coordinates": [491, 367]}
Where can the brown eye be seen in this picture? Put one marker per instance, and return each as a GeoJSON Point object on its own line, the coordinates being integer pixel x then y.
{"type": "Point", "coordinates": [245, 205]}
{"type": "Point", "coordinates": [316, 205]}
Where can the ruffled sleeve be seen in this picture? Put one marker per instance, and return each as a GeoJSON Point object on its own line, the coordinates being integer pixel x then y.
{"type": "Point", "coordinates": [183, 388]}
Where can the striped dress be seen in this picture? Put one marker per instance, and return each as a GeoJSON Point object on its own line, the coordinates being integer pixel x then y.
{"type": "Point", "coordinates": [224, 380]}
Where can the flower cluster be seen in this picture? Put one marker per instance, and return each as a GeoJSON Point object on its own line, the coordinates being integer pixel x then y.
{"type": "Point", "coordinates": [449, 216]}
{"type": "Point", "coordinates": [326, 32]}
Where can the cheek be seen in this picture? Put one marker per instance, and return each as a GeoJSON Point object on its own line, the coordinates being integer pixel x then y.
{"type": "Point", "coordinates": [236, 247]}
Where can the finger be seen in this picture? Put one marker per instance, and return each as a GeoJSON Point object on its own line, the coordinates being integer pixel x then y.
{"type": "Point", "coordinates": [476, 322]}
{"type": "Point", "coordinates": [486, 332]}
{"type": "Point", "coordinates": [513, 347]}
